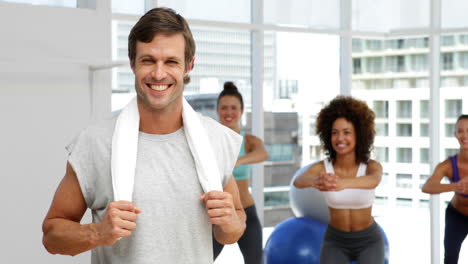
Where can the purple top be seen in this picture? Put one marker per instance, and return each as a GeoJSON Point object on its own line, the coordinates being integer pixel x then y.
{"type": "Point", "coordinates": [455, 174]}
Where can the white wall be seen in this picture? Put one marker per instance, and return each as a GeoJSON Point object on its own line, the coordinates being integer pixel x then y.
{"type": "Point", "coordinates": [44, 102]}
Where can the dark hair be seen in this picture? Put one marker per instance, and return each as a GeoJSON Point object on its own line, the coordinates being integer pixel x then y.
{"type": "Point", "coordinates": [355, 111]}
{"type": "Point", "coordinates": [461, 117]}
{"type": "Point", "coordinates": [230, 89]}
{"type": "Point", "coordinates": [161, 20]}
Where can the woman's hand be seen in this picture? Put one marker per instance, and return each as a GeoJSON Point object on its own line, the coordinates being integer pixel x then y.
{"type": "Point", "coordinates": [462, 186]}
{"type": "Point", "coordinates": [327, 182]}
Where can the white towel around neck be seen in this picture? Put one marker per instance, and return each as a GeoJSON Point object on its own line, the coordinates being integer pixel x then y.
{"type": "Point", "coordinates": [125, 147]}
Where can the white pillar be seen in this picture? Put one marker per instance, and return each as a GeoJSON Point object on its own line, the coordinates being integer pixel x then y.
{"type": "Point", "coordinates": [100, 81]}
{"type": "Point", "coordinates": [434, 125]}
{"type": "Point", "coordinates": [345, 47]}
{"type": "Point", "coordinates": [257, 101]}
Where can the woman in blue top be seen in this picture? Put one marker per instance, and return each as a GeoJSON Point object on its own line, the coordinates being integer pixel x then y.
{"type": "Point", "coordinates": [230, 109]}
{"type": "Point", "coordinates": [455, 168]}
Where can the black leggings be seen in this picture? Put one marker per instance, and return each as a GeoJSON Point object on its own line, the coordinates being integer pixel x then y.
{"type": "Point", "coordinates": [364, 246]}
{"type": "Point", "coordinates": [251, 241]}
{"type": "Point", "coordinates": [456, 229]}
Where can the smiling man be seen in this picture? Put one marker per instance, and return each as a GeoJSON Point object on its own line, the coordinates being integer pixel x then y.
{"type": "Point", "coordinates": [170, 215]}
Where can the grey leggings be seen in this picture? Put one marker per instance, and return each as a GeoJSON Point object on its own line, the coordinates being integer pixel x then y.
{"type": "Point", "coordinates": [364, 246]}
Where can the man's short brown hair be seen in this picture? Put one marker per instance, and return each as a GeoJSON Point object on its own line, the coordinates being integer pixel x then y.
{"type": "Point", "coordinates": [161, 20]}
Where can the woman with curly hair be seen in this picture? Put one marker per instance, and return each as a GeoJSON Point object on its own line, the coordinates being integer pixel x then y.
{"type": "Point", "coordinates": [347, 178]}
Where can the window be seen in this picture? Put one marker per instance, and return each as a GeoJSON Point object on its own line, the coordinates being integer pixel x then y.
{"type": "Point", "coordinates": [419, 62]}
{"type": "Point", "coordinates": [220, 10]}
{"type": "Point", "coordinates": [374, 44]}
{"type": "Point", "coordinates": [449, 130]}
{"type": "Point", "coordinates": [287, 88]}
{"type": "Point", "coordinates": [422, 179]}
{"type": "Point", "coordinates": [463, 60]}
{"type": "Point", "coordinates": [448, 41]}
{"type": "Point", "coordinates": [404, 202]}
{"type": "Point", "coordinates": [453, 108]}
{"type": "Point", "coordinates": [447, 61]}
{"type": "Point", "coordinates": [357, 66]}
{"type": "Point", "coordinates": [421, 83]}
{"type": "Point", "coordinates": [381, 154]}
{"type": "Point", "coordinates": [424, 155]}
{"type": "Point", "coordinates": [374, 64]}
{"type": "Point", "coordinates": [381, 129]}
{"type": "Point", "coordinates": [385, 180]}
{"type": "Point", "coordinates": [402, 123]}
{"type": "Point", "coordinates": [401, 83]}
{"type": "Point", "coordinates": [312, 128]}
{"type": "Point", "coordinates": [450, 152]}
{"type": "Point", "coordinates": [404, 181]}
{"type": "Point", "coordinates": [375, 84]}
{"type": "Point", "coordinates": [404, 130]}
{"type": "Point", "coordinates": [449, 82]}
{"type": "Point", "coordinates": [404, 109]}
{"type": "Point", "coordinates": [280, 152]}
{"type": "Point", "coordinates": [396, 64]}
{"type": "Point", "coordinates": [276, 196]}
{"type": "Point", "coordinates": [464, 39]}
{"type": "Point", "coordinates": [396, 43]}
{"type": "Point", "coordinates": [417, 43]}
{"type": "Point", "coordinates": [382, 201]}
{"type": "Point", "coordinates": [315, 153]}
{"type": "Point", "coordinates": [425, 42]}
{"type": "Point", "coordinates": [424, 130]}
{"type": "Point", "coordinates": [400, 63]}
{"type": "Point", "coordinates": [303, 13]}
{"type": "Point", "coordinates": [424, 108]}
{"type": "Point", "coordinates": [123, 7]}
{"type": "Point", "coordinates": [357, 45]}
{"type": "Point", "coordinates": [284, 117]}
{"type": "Point", "coordinates": [404, 155]}
{"type": "Point", "coordinates": [204, 104]}
{"type": "Point", "coordinates": [424, 203]}
{"type": "Point", "coordinates": [60, 3]}
{"type": "Point", "coordinates": [381, 109]}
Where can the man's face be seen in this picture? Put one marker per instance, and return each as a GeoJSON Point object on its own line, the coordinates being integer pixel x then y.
{"type": "Point", "coordinates": [159, 69]}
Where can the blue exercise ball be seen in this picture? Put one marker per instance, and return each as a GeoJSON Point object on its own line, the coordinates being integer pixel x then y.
{"type": "Point", "coordinates": [298, 240]}
{"type": "Point", "coordinates": [295, 240]}
{"type": "Point", "coordinates": [386, 245]}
